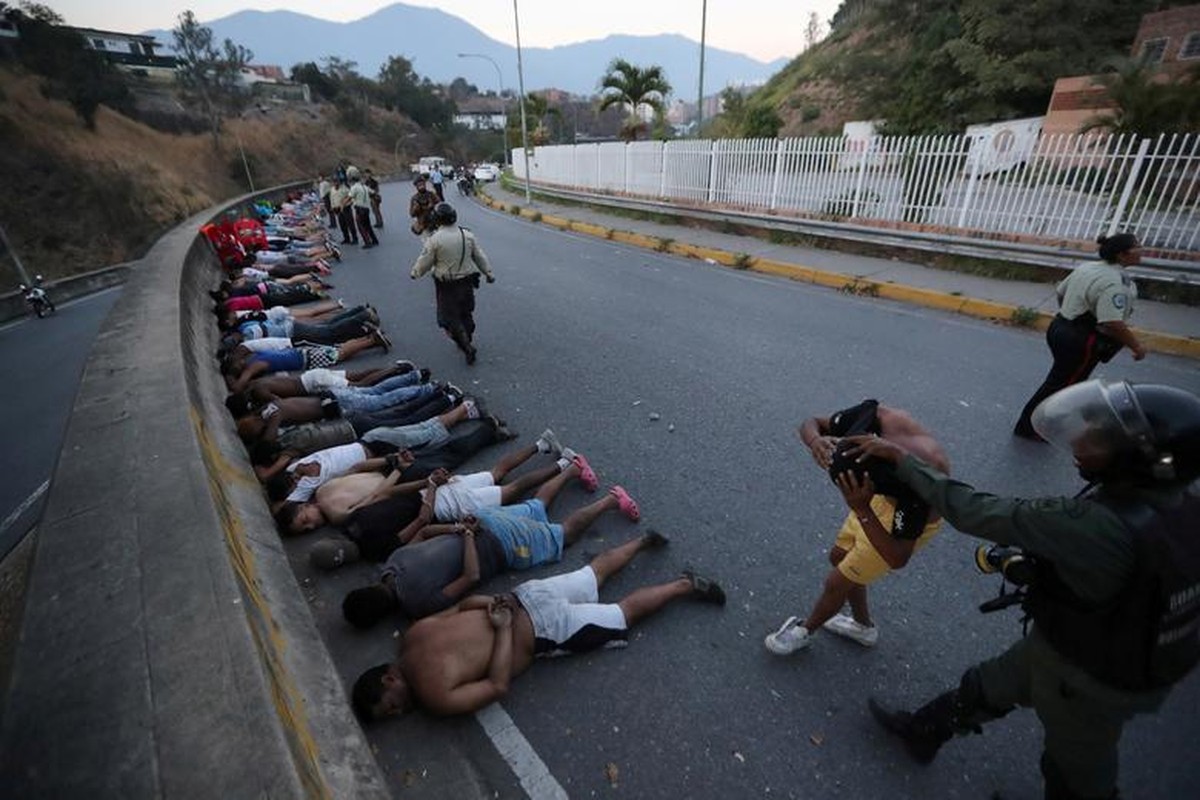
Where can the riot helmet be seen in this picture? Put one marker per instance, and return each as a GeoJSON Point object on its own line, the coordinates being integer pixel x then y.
{"type": "Point", "coordinates": [444, 214]}
{"type": "Point", "coordinates": [1118, 431]}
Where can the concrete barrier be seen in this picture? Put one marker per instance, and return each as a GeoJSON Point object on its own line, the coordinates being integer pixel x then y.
{"type": "Point", "coordinates": [167, 649]}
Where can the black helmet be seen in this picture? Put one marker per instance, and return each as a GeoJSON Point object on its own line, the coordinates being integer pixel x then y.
{"type": "Point", "coordinates": [1142, 434]}
{"type": "Point", "coordinates": [444, 214]}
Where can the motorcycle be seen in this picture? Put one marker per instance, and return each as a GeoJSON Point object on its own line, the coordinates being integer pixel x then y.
{"type": "Point", "coordinates": [466, 186]}
{"type": "Point", "coordinates": [37, 298]}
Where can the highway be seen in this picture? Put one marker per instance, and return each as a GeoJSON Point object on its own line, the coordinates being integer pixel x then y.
{"type": "Point", "coordinates": [44, 360]}
{"type": "Point", "coordinates": [592, 338]}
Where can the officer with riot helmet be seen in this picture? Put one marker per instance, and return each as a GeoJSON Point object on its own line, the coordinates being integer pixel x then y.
{"type": "Point", "coordinates": [1114, 581]}
{"type": "Point", "coordinates": [457, 261]}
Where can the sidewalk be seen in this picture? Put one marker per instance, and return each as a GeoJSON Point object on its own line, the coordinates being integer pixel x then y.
{"type": "Point", "coordinates": [1164, 327]}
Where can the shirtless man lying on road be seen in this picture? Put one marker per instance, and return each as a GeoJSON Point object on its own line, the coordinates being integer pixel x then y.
{"type": "Point", "coordinates": [463, 658]}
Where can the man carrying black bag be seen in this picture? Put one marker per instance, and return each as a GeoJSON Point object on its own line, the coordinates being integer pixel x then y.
{"type": "Point", "coordinates": [1114, 589]}
{"type": "Point", "coordinates": [457, 261]}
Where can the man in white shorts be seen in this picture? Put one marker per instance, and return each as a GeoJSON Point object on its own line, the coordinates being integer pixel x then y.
{"type": "Point", "coordinates": [463, 658]}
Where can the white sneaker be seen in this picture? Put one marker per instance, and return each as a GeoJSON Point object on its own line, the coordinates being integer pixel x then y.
{"type": "Point", "coordinates": [548, 443]}
{"type": "Point", "coordinates": [790, 637]}
{"type": "Point", "coordinates": [845, 625]}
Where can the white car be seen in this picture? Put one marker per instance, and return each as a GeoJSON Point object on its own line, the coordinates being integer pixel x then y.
{"type": "Point", "coordinates": [487, 172]}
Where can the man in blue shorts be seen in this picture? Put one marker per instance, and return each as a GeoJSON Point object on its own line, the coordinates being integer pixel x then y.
{"type": "Point", "coordinates": [443, 562]}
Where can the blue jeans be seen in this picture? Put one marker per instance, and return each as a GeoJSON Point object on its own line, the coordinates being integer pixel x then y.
{"type": "Point", "coordinates": [382, 395]}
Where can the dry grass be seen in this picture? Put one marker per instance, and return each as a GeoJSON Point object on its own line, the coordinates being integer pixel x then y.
{"type": "Point", "coordinates": [80, 200]}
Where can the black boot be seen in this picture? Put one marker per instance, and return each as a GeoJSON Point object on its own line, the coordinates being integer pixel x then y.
{"type": "Point", "coordinates": [925, 730]}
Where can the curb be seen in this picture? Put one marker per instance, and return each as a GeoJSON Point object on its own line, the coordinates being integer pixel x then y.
{"type": "Point", "coordinates": [1168, 343]}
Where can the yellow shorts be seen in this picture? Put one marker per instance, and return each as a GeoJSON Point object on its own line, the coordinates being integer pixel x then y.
{"type": "Point", "coordinates": [863, 564]}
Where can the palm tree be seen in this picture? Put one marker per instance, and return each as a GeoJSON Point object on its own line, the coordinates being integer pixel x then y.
{"type": "Point", "coordinates": [1145, 105]}
{"type": "Point", "coordinates": [632, 87]}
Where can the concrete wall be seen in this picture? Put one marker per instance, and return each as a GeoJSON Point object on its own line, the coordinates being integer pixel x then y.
{"type": "Point", "coordinates": [166, 649]}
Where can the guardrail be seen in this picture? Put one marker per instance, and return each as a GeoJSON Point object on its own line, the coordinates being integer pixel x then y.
{"type": "Point", "coordinates": [1053, 192]}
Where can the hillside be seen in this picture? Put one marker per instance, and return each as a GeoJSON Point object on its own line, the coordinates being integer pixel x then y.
{"type": "Point", "coordinates": [89, 199]}
{"type": "Point", "coordinates": [936, 66]}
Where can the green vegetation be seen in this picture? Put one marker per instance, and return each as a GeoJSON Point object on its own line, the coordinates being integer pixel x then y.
{"type": "Point", "coordinates": [1145, 106]}
{"type": "Point", "coordinates": [743, 261]}
{"type": "Point", "coordinates": [630, 86]}
{"type": "Point", "coordinates": [206, 75]}
{"type": "Point", "coordinates": [1024, 316]}
{"type": "Point", "coordinates": [70, 70]}
{"type": "Point", "coordinates": [935, 66]}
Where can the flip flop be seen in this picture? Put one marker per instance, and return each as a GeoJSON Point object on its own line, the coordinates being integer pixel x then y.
{"type": "Point", "coordinates": [704, 589]}
{"type": "Point", "coordinates": [587, 476]}
{"type": "Point", "coordinates": [626, 503]}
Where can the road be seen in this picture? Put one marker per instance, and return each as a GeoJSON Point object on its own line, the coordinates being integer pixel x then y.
{"type": "Point", "coordinates": [44, 360]}
{"type": "Point", "coordinates": [592, 337]}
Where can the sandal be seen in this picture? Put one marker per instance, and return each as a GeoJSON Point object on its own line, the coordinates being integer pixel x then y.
{"type": "Point", "coordinates": [705, 590]}
{"type": "Point", "coordinates": [626, 503]}
{"type": "Point", "coordinates": [587, 476]}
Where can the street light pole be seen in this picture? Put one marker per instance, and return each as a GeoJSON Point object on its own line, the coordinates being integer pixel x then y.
{"type": "Point", "coordinates": [700, 93]}
{"type": "Point", "coordinates": [500, 82]}
{"type": "Point", "coordinates": [521, 85]}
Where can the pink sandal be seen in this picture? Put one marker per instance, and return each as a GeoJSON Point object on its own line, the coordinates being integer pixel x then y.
{"type": "Point", "coordinates": [587, 475]}
{"type": "Point", "coordinates": [626, 503]}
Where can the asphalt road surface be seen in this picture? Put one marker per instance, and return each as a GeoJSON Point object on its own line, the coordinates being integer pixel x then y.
{"type": "Point", "coordinates": [43, 360]}
{"type": "Point", "coordinates": [591, 338]}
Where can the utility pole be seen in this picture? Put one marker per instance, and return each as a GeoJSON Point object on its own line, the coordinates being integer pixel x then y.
{"type": "Point", "coordinates": [700, 92]}
{"type": "Point", "coordinates": [521, 86]}
{"type": "Point", "coordinates": [21, 273]}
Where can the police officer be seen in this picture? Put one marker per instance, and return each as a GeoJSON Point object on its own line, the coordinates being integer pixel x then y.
{"type": "Point", "coordinates": [456, 261]}
{"type": "Point", "coordinates": [1096, 651]}
{"type": "Point", "coordinates": [421, 205]}
{"type": "Point", "coordinates": [1095, 301]}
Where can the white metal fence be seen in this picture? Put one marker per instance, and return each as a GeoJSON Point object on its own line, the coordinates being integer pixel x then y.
{"type": "Point", "coordinates": [1060, 189]}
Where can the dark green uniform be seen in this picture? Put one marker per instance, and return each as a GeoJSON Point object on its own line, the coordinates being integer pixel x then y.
{"type": "Point", "coordinates": [1094, 556]}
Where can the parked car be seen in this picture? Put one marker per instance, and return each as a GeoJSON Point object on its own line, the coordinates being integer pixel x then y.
{"type": "Point", "coordinates": [428, 164]}
{"type": "Point", "coordinates": [487, 172]}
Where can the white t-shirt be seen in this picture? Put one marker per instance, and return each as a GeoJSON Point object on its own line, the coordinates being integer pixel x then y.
{"type": "Point", "coordinates": [267, 343]}
{"type": "Point", "coordinates": [333, 462]}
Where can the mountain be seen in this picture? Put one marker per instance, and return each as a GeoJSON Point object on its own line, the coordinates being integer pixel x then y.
{"type": "Point", "coordinates": [431, 39]}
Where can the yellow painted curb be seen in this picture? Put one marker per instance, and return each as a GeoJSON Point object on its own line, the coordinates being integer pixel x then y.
{"type": "Point", "coordinates": [637, 239]}
{"type": "Point", "coordinates": [590, 229]}
{"type": "Point", "coordinates": [1167, 343]}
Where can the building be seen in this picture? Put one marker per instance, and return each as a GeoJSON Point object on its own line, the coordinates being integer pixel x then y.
{"type": "Point", "coordinates": [482, 113]}
{"type": "Point", "coordinates": [131, 52]}
{"type": "Point", "coordinates": [1170, 40]}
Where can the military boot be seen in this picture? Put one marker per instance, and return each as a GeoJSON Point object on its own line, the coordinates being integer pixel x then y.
{"type": "Point", "coordinates": [925, 730]}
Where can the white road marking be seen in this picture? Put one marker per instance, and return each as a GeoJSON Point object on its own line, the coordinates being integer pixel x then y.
{"type": "Point", "coordinates": [516, 750]}
{"type": "Point", "coordinates": [25, 504]}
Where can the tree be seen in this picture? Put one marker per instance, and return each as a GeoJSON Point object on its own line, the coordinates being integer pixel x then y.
{"type": "Point", "coordinates": [207, 75]}
{"type": "Point", "coordinates": [73, 71]}
{"type": "Point", "coordinates": [1145, 106]}
{"type": "Point", "coordinates": [402, 89]}
{"type": "Point", "coordinates": [632, 87]}
{"type": "Point", "coordinates": [814, 31]}
{"type": "Point", "coordinates": [761, 122]}
{"type": "Point", "coordinates": [321, 84]}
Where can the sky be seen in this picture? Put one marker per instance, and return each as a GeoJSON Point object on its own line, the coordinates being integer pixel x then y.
{"type": "Point", "coordinates": [763, 29]}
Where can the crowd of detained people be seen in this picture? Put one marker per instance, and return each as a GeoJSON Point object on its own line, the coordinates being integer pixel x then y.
{"type": "Point", "coordinates": [368, 455]}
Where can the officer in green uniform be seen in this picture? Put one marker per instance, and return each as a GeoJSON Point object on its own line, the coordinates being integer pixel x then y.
{"type": "Point", "coordinates": [1095, 302]}
{"type": "Point", "coordinates": [1084, 665]}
